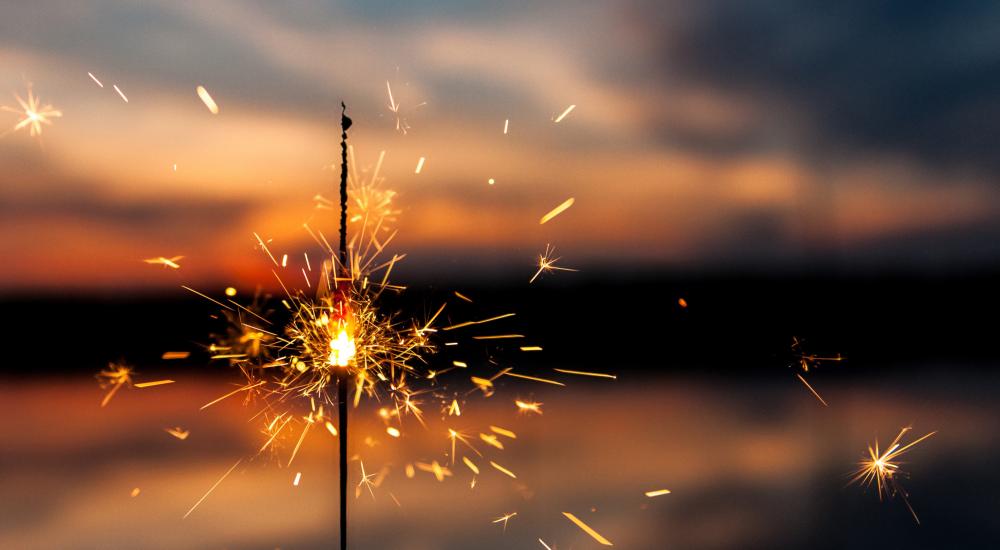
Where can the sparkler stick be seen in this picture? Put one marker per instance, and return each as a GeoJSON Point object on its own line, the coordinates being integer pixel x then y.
{"type": "Point", "coordinates": [342, 377]}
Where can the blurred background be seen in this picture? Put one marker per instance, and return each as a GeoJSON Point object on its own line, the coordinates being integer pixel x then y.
{"type": "Point", "coordinates": [814, 171]}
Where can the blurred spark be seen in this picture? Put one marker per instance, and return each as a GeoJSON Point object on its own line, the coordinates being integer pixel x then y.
{"type": "Point", "coordinates": [882, 469]}
{"type": "Point", "coordinates": [657, 493]}
{"type": "Point", "coordinates": [94, 78]}
{"type": "Point", "coordinates": [528, 407]}
{"type": "Point", "coordinates": [503, 470]}
{"type": "Point", "coordinates": [531, 348]}
{"type": "Point", "coordinates": [115, 376]}
{"type": "Point", "coordinates": [587, 529]}
{"type": "Point", "coordinates": [120, 92]}
{"type": "Point", "coordinates": [169, 355]}
{"type": "Point", "coordinates": [420, 165]}
{"type": "Point", "coordinates": [165, 262]}
{"type": "Point", "coordinates": [565, 113]}
{"type": "Point", "coordinates": [807, 361]}
{"type": "Point", "coordinates": [506, 124]}
{"type": "Point", "coordinates": [543, 544]}
{"type": "Point", "coordinates": [33, 113]}
{"type": "Point", "coordinates": [135, 492]}
{"type": "Point", "coordinates": [206, 98]}
{"type": "Point", "coordinates": [178, 432]}
{"type": "Point", "coordinates": [298, 477]}
{"type": "Point", "coordinates": [557, 210]}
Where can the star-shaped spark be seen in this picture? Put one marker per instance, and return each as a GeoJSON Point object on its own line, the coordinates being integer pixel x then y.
{"type": "Point", "coordinates": [882, 468]}
{"type": "Point", "coordinates": [547, 264]}
{"type": "Point", "coordinates": [365, 483]}
{"type": "Point", "coordinates": [33, 113]}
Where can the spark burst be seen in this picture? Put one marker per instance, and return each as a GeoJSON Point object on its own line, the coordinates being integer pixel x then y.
{"type": "Point", "coordinates": [807, 361]}
{"type": "Point", "coordinates": [33, 113]}
{"type": "Point", "coordinates": [547, 264]}
{"type": "Point", "coordinates": [883, 468]}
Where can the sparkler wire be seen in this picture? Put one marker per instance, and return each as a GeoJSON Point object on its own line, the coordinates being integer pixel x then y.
{"type": "Point", "coordinates": [342, 376]}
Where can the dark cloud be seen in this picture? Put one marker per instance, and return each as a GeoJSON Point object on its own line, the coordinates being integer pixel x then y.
{"type": "Point", "coordinates": [919, 79]}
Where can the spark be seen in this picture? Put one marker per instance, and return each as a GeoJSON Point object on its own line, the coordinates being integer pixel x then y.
{"type": "Point", "coordinates": [165, 262]}
{"type": "Point", "coordinates": [584, 373]}
{"type": "Point", "coordinates": [503, 470]}
{"type": "Point", "coordinates": [463, 297]}
{"type": "Point", "coordinates": [491, 440]}
{"type": "Point", "coordinates": [115, 376]}
{"type": "Point", "coordinates": [298, 478]}
{"type": "Point", "coordinates": [154, 383]}
{"type": "Point", "coordinates": [207, 100]}
{"type": "Point", "coordinates": [814, 392]}
{"type": "Point", "coordinates": [212, 488]}
{"type": "Point", "coordinates": [169, 355]}
{"type": "Point", "coordinates": [491, 181]}
{"type": "Point", "coordinates": [471, 465]}
{"type": "Point", "coordinates": [396, 109]}
{"type": "Point", "coordinates": [420, 165]}
{"type": "Point", "coordinates": [498, 337]}
{"type": "Point", "coordinates": [440, 472]}
{"type": "Point", "coordinates": [178, 432]}
{"type": "Point", "coordinates": [883, 469]}
{"type": "Point", "coordinates": [135, 492]}
{"type": "Point", "coordinates": [657, 493]}
{"type": "Point", "coordinates": [505, 518]}
{"type": "Point", "coordinates": [807, 361]}
{"type": "Point", "coordinates": [248, 387]}
{"type": "Point", "coordinates": [557, 210]}
{"type": "Point", "coordinates": [547, 264]}
{"type": "Point", "coordinates": [506, 124]}
{"type": "Point", "coordinates": [394, 432]}
{"type": "Point", "coordinates": [587, 529]}
{"type": "Point", "coordinates": [120, 92]}
{"type": "Point", "coordinates": [331, 428]}
{"type": "Point", "coordinates": [459, 364]}
{"type": "Point", "coordinates": [34, 114]}
{"type": "Point", "coordinates": [531, 348]}
{"type": "Point", "coordinates": [528, 407]}
{"type": "Point", "coordinates": [534, 378]}
{"type": "Point", "coordinates": [504, 432]}
{"type": "Point", "coordinates": [682, 302]}
{"type": "Point", "coordinates": [543, 544]}
{"type": "Point", "coordinates": [365, 483]}
{"type": "Point", "coordinates": [454, 409]}
{"type": "Point", "coordinates": [479, 322]}
{"type": "Point", "coordinates": [565, 113]}
{"type": "Point", "coordinates": [230, 291]}
{"type": "Point", "coordinates": [94, 78]}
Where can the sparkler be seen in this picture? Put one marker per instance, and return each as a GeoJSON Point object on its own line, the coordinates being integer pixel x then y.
{"type": "Point", "coordinates": [883, 469]}
{"type": "Point", "coordinates": [33, 113]}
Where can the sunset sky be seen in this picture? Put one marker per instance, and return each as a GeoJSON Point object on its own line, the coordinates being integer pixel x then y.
{"type": "Point", "coordinates": [705, 134]}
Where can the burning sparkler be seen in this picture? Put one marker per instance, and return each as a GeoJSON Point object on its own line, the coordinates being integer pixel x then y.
{"type": "Point", "coordinates": [33, 113]}
{"type": "Point", "coordinates": [883, 468]}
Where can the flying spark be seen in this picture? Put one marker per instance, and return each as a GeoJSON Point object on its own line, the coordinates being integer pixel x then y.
{"type": "Point", "coordinates": [657, 493]}
{"type": "Point", "coordinates": [504, 519]}
{"type": "Point", "coordinates": [94, 78]}
{"type": "Point", "coordinates": [120, 92]}
{"type": "Point", "coordinates": [565, 113]}
{"type": "Point", "coordinates": [587, 529]}
{"type": "Point", "coordinates": [178, 432]}
{"type": "Point", "coordinates": [206, 98]}
{"type": "Point", "coordinates": [557, 210]}
{"type": "Point", "coordinates": [165, 262]}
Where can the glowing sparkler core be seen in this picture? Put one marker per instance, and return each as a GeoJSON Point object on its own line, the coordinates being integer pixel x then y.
{"type": "Point", "coordinates": [342, 347]}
